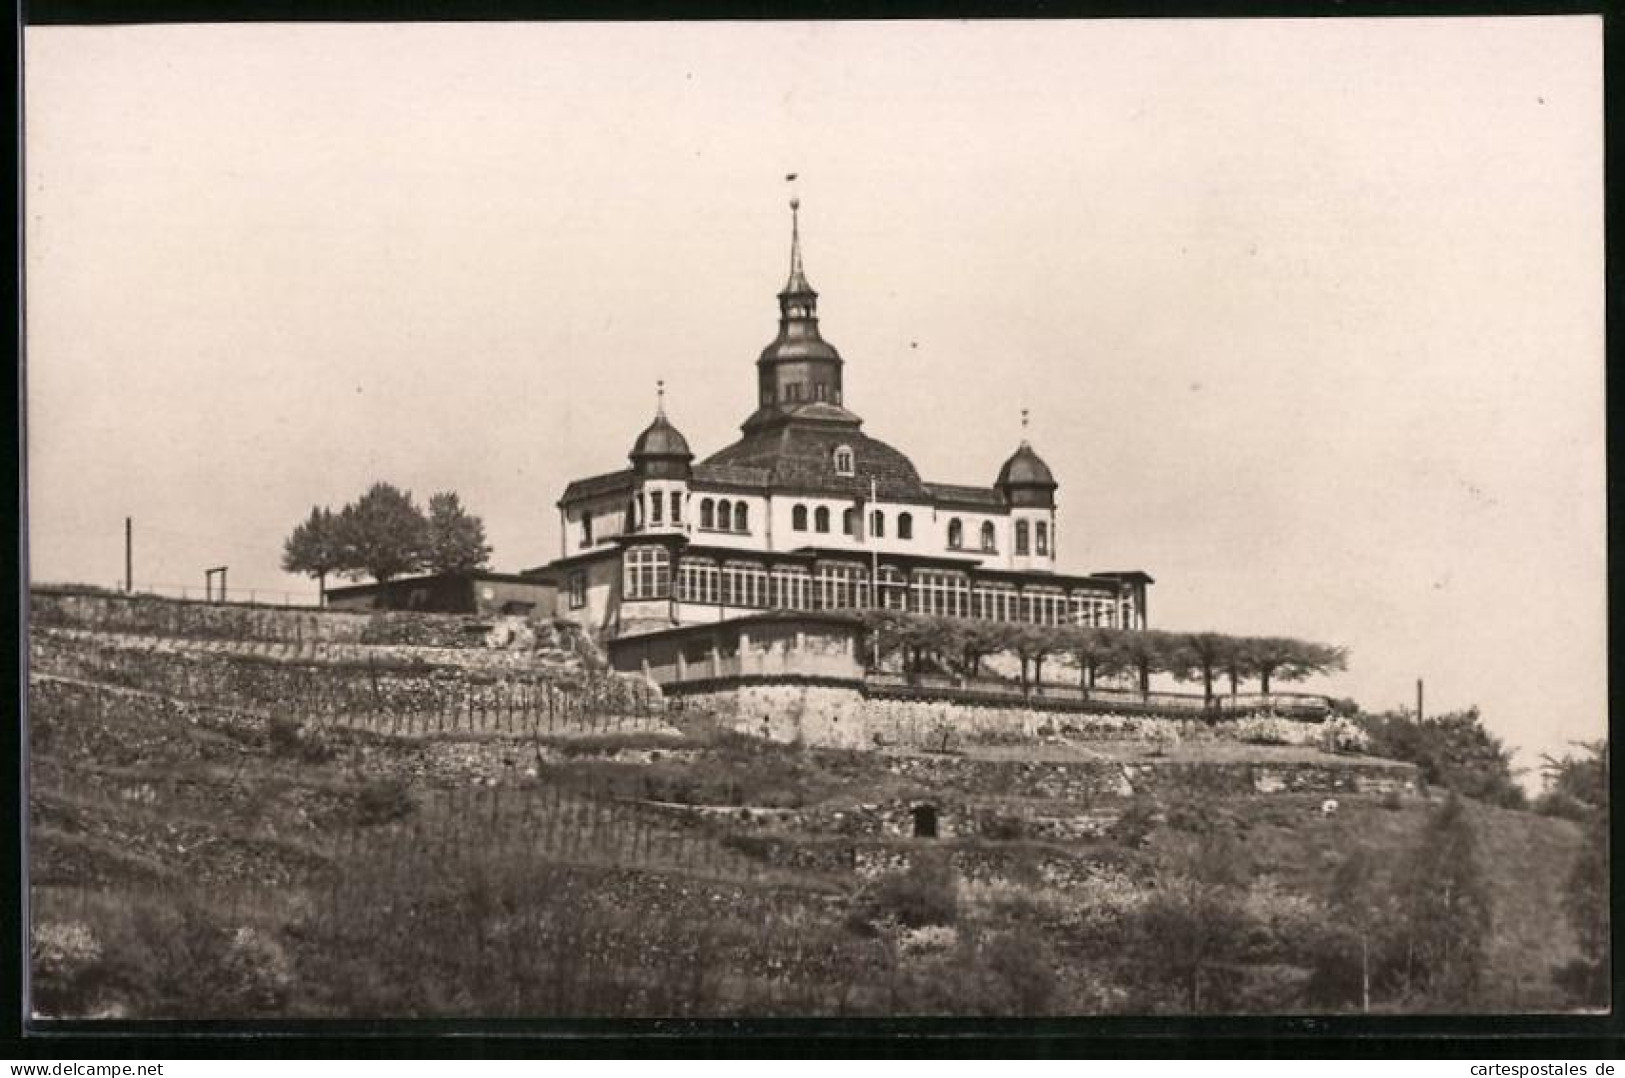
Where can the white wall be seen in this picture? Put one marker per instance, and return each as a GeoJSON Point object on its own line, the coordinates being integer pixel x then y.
{"type": "Point", "coordinates": [756, 507]}
{"type": "Point", "coordinates": [608, 519]}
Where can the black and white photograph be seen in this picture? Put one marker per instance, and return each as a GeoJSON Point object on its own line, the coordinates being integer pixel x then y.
{"type": "Point", "coordinates": [760, 520]}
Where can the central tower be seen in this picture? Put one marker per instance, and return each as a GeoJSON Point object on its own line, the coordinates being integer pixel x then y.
{"type": "Point", "coordinates": [799, 374]}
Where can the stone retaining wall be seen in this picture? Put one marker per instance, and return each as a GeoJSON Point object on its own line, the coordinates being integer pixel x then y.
{"type": "Point", "coordinates": [157, 615]}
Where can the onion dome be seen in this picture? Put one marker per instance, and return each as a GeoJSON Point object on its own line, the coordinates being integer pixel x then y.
{"type": "Point", "coordinates": [661, 451]}
{"type": "Point", "coordinates": [1026, 468]}
{"type": "Point", "coordinates": [1025, 479]}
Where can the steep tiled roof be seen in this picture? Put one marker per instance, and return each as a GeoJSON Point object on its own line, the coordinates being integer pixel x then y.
{"type": "Point", "coordinates": [801, 456]}
{"type": "Point", "coordinates": [593, 486]}
{"type": "Point", "coordinates": [957, 494]}
{"type": "Point", "coordinates": [732, 475]}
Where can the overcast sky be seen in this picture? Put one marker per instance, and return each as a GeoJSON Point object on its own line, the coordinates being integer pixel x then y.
{"type": "Point", "coordinates": [1309, 314]}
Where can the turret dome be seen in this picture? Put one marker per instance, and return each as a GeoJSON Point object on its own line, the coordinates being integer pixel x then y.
{"type": "Point", "coordinates": [1026, 468]}
{"type": "Point", "coordinates": [1026, 480]}
{"type": "Point", "coordinates": [661, 451]}
{"type": "Point", "coordinates": [660, 439]}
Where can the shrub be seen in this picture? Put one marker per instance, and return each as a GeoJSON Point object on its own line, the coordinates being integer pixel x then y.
{"type": "Point", "coordinates": [1269, 729]}
{"type": "Point", "coordinates": [288, 739]}
{"type": "Point", "coordinates": [1001, 827]}
{"type": "Point", "coordinates": [282, 736]}
{"type": "Point", "coordinates": [382, 801]}
{"type": "Point", "coordinates": [1343, 735]}
{"type": "Point", "coordinates": [1563, 805]}
{"type": "Point", "coordinates": [1135, 825]}
{"type": "Point", "coordinates": [926, 894]}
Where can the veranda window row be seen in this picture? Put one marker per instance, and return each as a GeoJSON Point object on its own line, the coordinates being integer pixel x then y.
{"type": "Point", "coordinates": [842, 586]}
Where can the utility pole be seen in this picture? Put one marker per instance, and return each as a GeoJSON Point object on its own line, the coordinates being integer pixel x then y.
{"type": "Point", "coordinates": [874, 574]}
{"type": "Point", "coordinates": [129, 561]}
{"type": "Point", "coordinates": [1418, 699]}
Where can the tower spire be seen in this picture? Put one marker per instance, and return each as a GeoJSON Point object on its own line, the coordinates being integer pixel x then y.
{"type": "Point", "coordinates": [1024, 426]}
{"type": "Point", "coordinates": [798, 279]}
{"type": "Point", "coordinates": [660, 398]}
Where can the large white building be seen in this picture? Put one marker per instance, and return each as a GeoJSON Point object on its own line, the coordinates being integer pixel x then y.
{"type": "Point", "coordinates": [807, 512]}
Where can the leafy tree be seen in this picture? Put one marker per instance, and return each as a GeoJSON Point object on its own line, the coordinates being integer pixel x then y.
{"type": "Point", "coordinates": [1201, 655]}
{"type": "Point", "coordinates": [1097, 651]}
{"type": "Point", "coordinates": [456, 542]}
{"type": "Point", "coordinates": [1290, 659]}
{"type": "Point", "coordinates": [1033, 644]}
{"type": "Point", "coordinates": [1445, 910]}
{"type": "Point", "coordinates": [384, 534]}
{"type": "Point", "coordinates": [1350, 955]}
{"type": "Point", "coordinates": [967, 641]}
{"type": "Point", "coordinates": [315, 548]}
{"type": "Point", "coordinates": [1239, 663]}
{"type": "Point", "coordinates": [1454, 751]}
{"type": "Point", "coordinates": [1585, 904]}
{"type": "Point", "coordinates": [1576, 785]}
{"type": "Point", "coordinates": [1196, 921]}
{"type": "Point", "coordinates": [1145, 651]}
{"type": "Point", "coordinates": [1583, 781]}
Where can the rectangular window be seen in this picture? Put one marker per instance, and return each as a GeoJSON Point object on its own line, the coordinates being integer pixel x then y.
{"type": "Point", "coordinates": [697, 582]}
{"type": "Point", "coordinates": [578, 590]}
{"type": "Point", "coordinates": [1042, 538]}
{"type": "Point", "coordinates": [655, 504]}
{"type": "Point", "coordinates": [842, 587]}
{"type": "Point", "coordinates": [648, 573]}
{"type": "Point", "coordinates": [792, 588]}
{"type": "Point", "coordinates": [744, 585]}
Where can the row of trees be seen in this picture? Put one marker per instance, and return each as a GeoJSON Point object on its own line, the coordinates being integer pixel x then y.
{"type": "Point", "coordinates": [958, 645]}
{"type": "Point", "coordinates": [384, 534]}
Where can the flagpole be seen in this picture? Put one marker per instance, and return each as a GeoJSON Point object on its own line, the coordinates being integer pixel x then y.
{"type": "Point", "coordinates": [874, 570]}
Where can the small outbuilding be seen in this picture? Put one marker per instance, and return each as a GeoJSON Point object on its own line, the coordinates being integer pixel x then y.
{"type": "Point", "coordinates": [477, 592]}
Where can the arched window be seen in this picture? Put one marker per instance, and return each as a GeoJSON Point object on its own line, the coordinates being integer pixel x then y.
{"type": "Point", "coordinates": [821, 519]}
{"type": "Point", "coordinates": [843, 460]}
{"type": "Point", "coordinates": [905, 526]}
{"type": "Point", "coordinates": [849, 522]}
{"type": "Point", "coordinates": [1021, 537]}
{"type": "Point", "coordinates": [798, 518]}
{"type": "Point", "coordinates": [956, 534]}
{"type": "Point", "coordinates": [707, 514]}
{"type": "Point", "coordinates": [725, 514]}
{"type": "Point", "coordinates": [586, 527]}
{"type": "Point", "coordinates": [877, 524]}
{"type": "Point", "coordinates": [990, 541]}
{"type": "Point", "coordinates": [1042, 537]}
{"type": "Point", "coordinates": [742, 517]}
{"type": "Point", "coordinates": [676, 507]}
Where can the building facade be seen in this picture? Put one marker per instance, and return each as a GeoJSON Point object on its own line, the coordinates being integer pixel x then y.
{"type": "Point", "coordinates": [808, 512]}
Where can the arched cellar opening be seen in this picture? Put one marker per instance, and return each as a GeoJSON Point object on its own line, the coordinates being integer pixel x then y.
{"type": "Point", "coordinates": [925, 820]}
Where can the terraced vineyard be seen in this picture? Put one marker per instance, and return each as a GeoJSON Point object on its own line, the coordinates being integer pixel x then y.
{"type": "Point", "coordinates": [384, 819]}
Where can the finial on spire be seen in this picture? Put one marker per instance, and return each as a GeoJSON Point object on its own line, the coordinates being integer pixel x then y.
{"type": "Point", "coordinates": [1024, 426]}
{"type": "Point", "coordinates": [795, 238]}
{"type": "Point", "coordinates": [660, 397]}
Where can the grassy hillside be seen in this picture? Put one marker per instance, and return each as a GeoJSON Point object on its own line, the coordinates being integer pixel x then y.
{"type": "Point", "coordinates": [215, 850]}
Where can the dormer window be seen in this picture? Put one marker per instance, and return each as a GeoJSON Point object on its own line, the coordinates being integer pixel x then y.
{"type": "Point", "coordinates": [843, 460]}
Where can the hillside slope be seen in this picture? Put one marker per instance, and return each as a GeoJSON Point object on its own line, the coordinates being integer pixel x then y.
{"type": "Point", "coordinates": [347, 829]}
